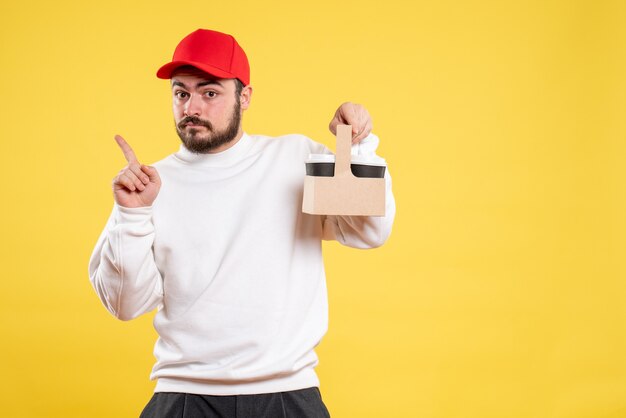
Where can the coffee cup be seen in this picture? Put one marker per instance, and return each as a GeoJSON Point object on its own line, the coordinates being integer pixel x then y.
{"type": "Point", "coordinates": [323, 165]}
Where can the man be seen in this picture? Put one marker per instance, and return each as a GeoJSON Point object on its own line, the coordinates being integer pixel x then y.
{"type": "Point", "coordinates": [214, 237]}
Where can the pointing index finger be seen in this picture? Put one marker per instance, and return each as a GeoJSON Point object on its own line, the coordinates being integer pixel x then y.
{"type": "Point", "coordinates": [126, 149]}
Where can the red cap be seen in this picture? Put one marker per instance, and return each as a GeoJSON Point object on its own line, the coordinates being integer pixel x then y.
{"type": "Point", "coordinates": [213, 52]}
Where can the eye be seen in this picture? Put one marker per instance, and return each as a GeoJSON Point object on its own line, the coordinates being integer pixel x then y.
{"type": "Point", "coordinates": [210, 94]}
{"type": "Point", "coordinates": [181, 94]}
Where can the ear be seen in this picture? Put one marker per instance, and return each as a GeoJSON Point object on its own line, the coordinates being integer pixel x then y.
{"type": "Point", "coordinates": [246, 96]}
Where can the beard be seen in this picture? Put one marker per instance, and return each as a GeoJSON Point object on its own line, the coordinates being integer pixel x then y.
{"type": "Point", "coordinates": [197, 143]}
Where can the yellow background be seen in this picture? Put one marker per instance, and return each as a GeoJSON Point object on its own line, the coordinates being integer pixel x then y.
{"type": "Point", "coordinates": [502, 291]}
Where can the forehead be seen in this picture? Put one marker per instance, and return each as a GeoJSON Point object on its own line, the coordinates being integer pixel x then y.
{"type": "Point", "coordinates": [192, 77]}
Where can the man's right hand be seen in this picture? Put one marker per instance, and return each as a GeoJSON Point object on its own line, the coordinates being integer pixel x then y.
{"type": "Point", "coordinates": [136, 185]}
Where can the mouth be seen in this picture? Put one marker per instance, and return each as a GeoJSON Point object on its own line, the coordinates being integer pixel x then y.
{"type": "Point", "coordinates": [194, 123]}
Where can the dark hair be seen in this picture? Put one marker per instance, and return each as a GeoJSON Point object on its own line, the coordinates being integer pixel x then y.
{"type": "Point", "coordinates": [238, 88]}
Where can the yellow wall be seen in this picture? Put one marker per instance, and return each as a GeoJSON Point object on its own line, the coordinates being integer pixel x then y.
{"type": "Point", "coordinates": [502, 291]}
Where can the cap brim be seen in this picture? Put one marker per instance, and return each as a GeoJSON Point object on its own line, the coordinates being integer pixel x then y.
{"type": "Point", "coordinates": [166, 71]}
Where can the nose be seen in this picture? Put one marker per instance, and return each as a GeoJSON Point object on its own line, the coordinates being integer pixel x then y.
{"type": "Point", "coordinates": [193, 105]}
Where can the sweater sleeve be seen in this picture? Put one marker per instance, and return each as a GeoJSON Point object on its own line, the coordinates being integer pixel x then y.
{"type": "Point", "coordinates": [363, 231]}
{"type": "Point", "coordinates": [122, 269]}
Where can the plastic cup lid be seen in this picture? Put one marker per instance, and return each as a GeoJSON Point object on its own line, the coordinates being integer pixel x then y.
{"type": "Point", "coordinates": [320, 158]}
{"type": "Point", "coordinates": [368, 160]}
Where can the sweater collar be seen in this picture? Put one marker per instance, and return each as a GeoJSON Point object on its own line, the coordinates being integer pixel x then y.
{"type": "Point", "coordinates": [223, 158]}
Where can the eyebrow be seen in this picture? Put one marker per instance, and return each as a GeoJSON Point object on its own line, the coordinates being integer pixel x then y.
{"type": "Point", "coordinates": [200, 84]}
{"type": "Point", "coordinates": [208, 82]}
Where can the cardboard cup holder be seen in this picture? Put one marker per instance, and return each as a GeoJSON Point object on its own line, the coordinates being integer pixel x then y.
{"type": "Point", "coordinates": [344, 185]}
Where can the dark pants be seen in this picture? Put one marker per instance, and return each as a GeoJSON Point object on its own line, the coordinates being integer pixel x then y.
{"type": "Point", "coordinates": [304, 403]}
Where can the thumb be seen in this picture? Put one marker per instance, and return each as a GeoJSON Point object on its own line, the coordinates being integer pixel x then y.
{"type": "Point", "coordinates": [152, 173]}
{"type": "Point", "coordinates": [333, 125]}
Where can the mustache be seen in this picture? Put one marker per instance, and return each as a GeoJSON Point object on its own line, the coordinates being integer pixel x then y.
{"type": "Point", "coordinates": [196, 121]}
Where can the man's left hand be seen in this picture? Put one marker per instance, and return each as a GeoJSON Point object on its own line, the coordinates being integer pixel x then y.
{"type": "Point", "coordinates": [355, 115]}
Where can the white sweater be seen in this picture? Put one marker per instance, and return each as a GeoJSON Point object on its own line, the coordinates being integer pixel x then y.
{"type": "Point", "coordinates": [233, 266]}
